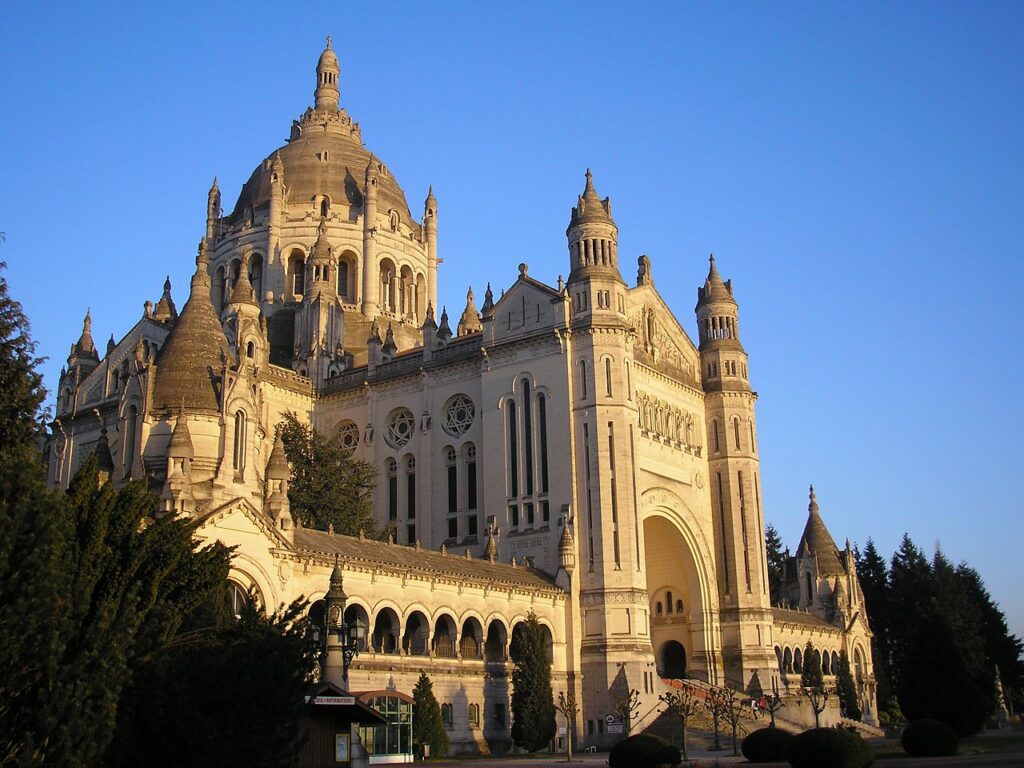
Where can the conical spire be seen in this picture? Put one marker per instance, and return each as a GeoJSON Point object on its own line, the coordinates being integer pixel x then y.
{"type": "Point", "coordinates": [389, 347]}
{"type": "Point", "coordinates": [491, 551]}
{"type": "Point", "coordinates": [103, 455]}
{"type": "Point", "coordinates": [165, 310]}
{"type": "Point", "coordinates": [241, 291]}
{"type": "Point", "coordinates": [111, 344]}
{"type": "Point", "coordinates": [277, 464]}
{"type": "Point", "coordinates": [714, 288]}
{"type": "Point", "coordinates": [429, 321]}
{"type": "Point", "coordinates": [590, 207]}
{"type": "Point", "coordinates": [180, 446]}
{"type": "Point", "coordinates": [470, 320]}
{"type": "Point", "coordinates": [488, 308]}
{"type": "Point", "coordinates": [85, 342]}
{"type": "Point", "coordinates": [193, 354]}
{"type": "Point", "coordinates": [816, 541]}
{"type": "Point", "coordinates": [444, 331]}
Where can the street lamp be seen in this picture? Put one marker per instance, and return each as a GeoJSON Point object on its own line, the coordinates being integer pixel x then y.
{"type": "Point", "coordinates": [340, 639]}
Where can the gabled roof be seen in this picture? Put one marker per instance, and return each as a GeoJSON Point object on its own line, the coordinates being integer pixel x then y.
{"type": "Point", "coordinates": [369, 552]}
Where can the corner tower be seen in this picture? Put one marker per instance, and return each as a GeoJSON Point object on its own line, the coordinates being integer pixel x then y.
{"type": "Point", "coordinates": [735, 488]}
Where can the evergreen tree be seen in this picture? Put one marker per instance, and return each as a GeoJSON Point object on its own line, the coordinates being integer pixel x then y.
{"type": "Point", "coordinates": [873, 575]}
{"type": "Point", "coordinates": [21, 384]}
{"type": "Point", "coordinates": [776, 563]}
{"type": "Point", "coordinates": [227, 695]}
{"type": "Point", "coordinates": [846, 689]}
{"type": "Point", "coordinates": [427, 725]}
{"type": "Point", "coordinates": [533, 706]}
{"type": "Point", "coordinates": [910, 585]}
{"type": "Point", "coordinates": [811, 676]}
{"type": "Point", "coordinates": [329, 486]}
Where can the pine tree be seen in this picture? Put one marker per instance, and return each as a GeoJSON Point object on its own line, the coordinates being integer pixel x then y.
{"type": "Point", "coordinates": [812, 681]}
{"type": "Point", "coordinates": [533, 706]}
{"type": "Point", "coordinates": [846, 689]}
{"type": "Point", "coordinates": [427, 725]}
{"type": "Point", "coordinates": [21, 385]}
{"type": "Point", "coordinates": [776, 563]}
{"type": "Point", "coordinates": [873, 575]}
{"type": "Point", "coordinates": [329, 486]}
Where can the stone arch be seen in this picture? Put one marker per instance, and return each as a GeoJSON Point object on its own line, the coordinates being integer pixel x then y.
{"type": "Point", "coordinates": [787, 661]}
{"type": "Point", "coordinates": [248, 572]}
{"type": "Point", "coordinates": [672, 660]}
{"type": "Point", "coordinates": [384, 637]}
{"type": "Point", "coordinates": [357, 614]}
{"type": "Point", "coordinates": [678, 559]}
{"type": "Point", "coordinates": [416, 637]}
{"type": "Point", "coordinates": [388, 279]}
{"type": "Point", "coordinates": [496, 640]}
{"type": "Point", "coordinates": [471, 640]}
{"type": "Point", "coordinates": [348, 275]}
{"type": "Point", "coordinates": [445, 635]}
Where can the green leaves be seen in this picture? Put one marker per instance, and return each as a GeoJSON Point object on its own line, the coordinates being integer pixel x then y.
{"type": "Point", "coordinates": [427, 725]}
{"type": "Point", "coordinates": [533, 707]}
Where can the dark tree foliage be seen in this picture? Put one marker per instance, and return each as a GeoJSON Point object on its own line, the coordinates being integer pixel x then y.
{"type": "Point", "coordinates": [776, 562]}
{"type": "Point", "coordinates": [811, 676]}
{"type": "Point", "coordinates": [846, 689]}
{"type": "Point", "coordinates": [229, 695]}
{"type": "Point", "coordinates": [21, 384]}
{"type": "Point", "coordinates": [329, 486]}
{"type": "Point", "coordinates": [533, 706]}
{"type": "Point", "coordinates": [427, 725]}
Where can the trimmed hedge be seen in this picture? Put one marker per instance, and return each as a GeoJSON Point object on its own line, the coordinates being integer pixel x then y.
{"type": "Point", "coordinates": [829, 748]}
{"type": "Point", "coordinates": [644, 751]}
{"type": "Point", "coordinates": [767, 745]}
{"type": "Point", "coordinates": [929, 738]}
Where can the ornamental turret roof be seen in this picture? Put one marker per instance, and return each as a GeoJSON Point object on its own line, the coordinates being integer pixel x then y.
{"type": "Point", "coordinates": [816, 542]}
{"type": "Point", "coordinates": [714, 288]}
{"type": "Point", "coordinates": [590, 207]}
{"type": "Point", "coordinates": [189, 362]}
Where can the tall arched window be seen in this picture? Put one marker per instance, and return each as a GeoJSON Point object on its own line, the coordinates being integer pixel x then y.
{"type": "Point", "coordinates": [469, 458]}
{"type": "Point", "coordinates": [810, 587]}
{"type": "Point", "coordinates": [751, 423]}
{"type": "Point", "coordinates": [714, 435]}
{"type": "Point", "coordinates": [528, 436]}
{"type": "Point", "coordinates": [583, 379]}
{"type": "Point", "coordinates": [608, 377]}
{"type": "Point", "coordinates": [452, 486]}
{"type": "Point", "coordinates": [343, 279]}
{"type": "Point", "coordinates": [391, 467]}
{"type": "Point", "coordinates": [736, 432]}
{"type": "Point", "coordinates": [513, 450]}
{"type": "Point", "coordinates": [668, 602]}
{"type": "Point", "coordinates": [240, 433]}
{"type": "Point", "coordinates": [129, 437]}
{"type": "Point", "coordinates": [256, 275]}
{"type": "Point", "coordinates": [410, 499]}
{"type": "Point", "coordinates": [325, 207]}
{"type": "Point", "coordinates": [542, 425]}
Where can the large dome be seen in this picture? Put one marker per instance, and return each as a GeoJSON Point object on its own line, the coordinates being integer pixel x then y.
{"type": "Point", "coordinates": [324, 156]}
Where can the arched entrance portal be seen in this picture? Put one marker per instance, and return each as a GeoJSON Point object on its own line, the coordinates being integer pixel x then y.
{"type": "Point", "coordinates": [672, 663]}
{"type": "Point", "coordinates": [676, 600]}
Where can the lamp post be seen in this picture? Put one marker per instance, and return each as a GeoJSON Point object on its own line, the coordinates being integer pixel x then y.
{"type": "Point", "coordinates": [341, 640]}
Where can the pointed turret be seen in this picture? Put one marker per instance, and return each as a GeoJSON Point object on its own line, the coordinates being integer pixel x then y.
{"type": "Point", "coordinates": [470, 320]}
{"type": "Point", "coordinates": [277, 475]}
{"type": "Point", "coordinates": [370, 270]}
{"type": "Point", "coordinates": [389, 348]}
{"type": "Point", "coordinates": [111, 344]}
{"type": "Point", "coordinates": [567, 549]}
{"type": "Point", "coordinates": [212, 210]}
{"type": "Point", "coordinates": [180, 445]}
{"type": "Point", "coordinates": [430, 230]}
{"type": "Point", "coordinates": [488, 308]}
{"type": "Point", "coordinates": [491, 550]}
{"type": "Point", "coordinates": [194, 352]}
{"type": "Point", "coordinates": [327, 72]}
{"type": "Point", "coordinates": [817, 543]}
{"type": "Point", "coordinates": [241, 291]}
{"type": "Point", "coordinates": [593, 236]}
{"type": "Point", "coordinates": [165, 311]}
{"type": "Point", "coordinates": [103, 456]}
{"type": "Point", "coordinates": [444, 331]}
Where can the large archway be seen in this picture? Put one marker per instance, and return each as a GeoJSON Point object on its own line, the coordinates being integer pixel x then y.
{"type": "Point", "coordinates": [676, 600]}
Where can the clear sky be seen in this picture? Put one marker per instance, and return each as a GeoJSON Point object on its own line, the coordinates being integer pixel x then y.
{"type": "Point", "coordinates": [856, 168]}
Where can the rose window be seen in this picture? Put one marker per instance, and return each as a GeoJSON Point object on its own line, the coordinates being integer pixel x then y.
{"type": "Point", "coordinates": [401, 425]}
{"type": "Point", "coordinates": [458, 415]}
{"type": "Point", "coordinates": [348, 434]}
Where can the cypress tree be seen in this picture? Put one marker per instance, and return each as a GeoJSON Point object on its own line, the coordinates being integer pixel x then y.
{"type": "Point", "coordinates": [427, 725]}
{"type": "Point", "coordinates": [776, 563]}
{"type": "Point", "coordinates": [846, 689]}
{"type": "Point", "coordinates": [328, 486]}
{"type": "Point", "coordinates": [533, 706]}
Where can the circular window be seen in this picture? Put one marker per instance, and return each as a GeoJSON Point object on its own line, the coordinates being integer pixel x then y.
{"type": "Point", "coordinates": [401, 425]}
{"type": "Point", "coordinates": [348, 434]}
{"type": "Point", "coordinates": [458, 415]}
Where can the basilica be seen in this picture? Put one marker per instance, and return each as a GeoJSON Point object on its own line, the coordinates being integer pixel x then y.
{"type": "Point", "coordinates": [567, 450]}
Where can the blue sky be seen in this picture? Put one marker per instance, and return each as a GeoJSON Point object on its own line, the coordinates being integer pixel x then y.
{"type": "Point", "coordinates": [855, 167]}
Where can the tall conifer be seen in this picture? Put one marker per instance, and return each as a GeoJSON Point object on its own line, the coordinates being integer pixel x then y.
{"type": "Point", "coordinates": [533, 706]}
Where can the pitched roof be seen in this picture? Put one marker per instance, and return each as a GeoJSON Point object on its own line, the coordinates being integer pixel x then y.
{"type": "Point", "coordinates": [816, 541]}
{"type": "Point", "coordinates": [789, 616]}
{"type": "Point", "coordinates": [355, 550]}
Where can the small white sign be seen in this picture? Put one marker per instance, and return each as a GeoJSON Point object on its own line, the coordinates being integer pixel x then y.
{"type": "Point", "coordinates": [614, 727]}
{"type": "Point", "coordinates": [562, 730]}
{"type": "Point", "coordinates": [337, 701]}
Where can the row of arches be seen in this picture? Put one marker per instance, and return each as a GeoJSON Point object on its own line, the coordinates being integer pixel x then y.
{"type": "Point", "coordinates": [793, 659]}
{"type": "Point", "coordinates": [444, 637]}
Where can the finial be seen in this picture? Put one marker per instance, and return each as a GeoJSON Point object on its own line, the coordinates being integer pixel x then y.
{"type": "Point", "coordinates": [523, 269]}
{"type": "Point", "coordinates": [444, 551]}
{"type": "Point", "coordinates": [330, 530]}
{"type": "Point", "coordinates": [328, 42]}
{"type": "Point", "coordinates": [214, 187]}
{"type": "Point", "coordinates": [167, 284]}
{"type": "Point", "coordinates": [87, 322]}
{"type": "Point", "coordinates": [711, 258]}
{"type": "Point", "coordinates": [813, 505]}
{"type": "Point", "coordinates": [362, 535]}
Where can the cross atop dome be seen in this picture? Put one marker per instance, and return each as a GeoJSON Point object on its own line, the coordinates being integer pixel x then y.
{"type": "Point", "coordinates": [327, 71]}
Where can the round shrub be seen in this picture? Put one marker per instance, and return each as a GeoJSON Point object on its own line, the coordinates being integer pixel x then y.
{"type": "Point", "coordinates": [644, 751]}
{"type": "Point", "coordinates": [929, 738]}
{"type": "Point", "coordinates": [829, 748]}
{"type": "Point", "coordinates": [767, 745]}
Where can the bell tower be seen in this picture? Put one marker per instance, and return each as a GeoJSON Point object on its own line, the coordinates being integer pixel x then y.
{"type": "Point", "coordinates": [735, 489]}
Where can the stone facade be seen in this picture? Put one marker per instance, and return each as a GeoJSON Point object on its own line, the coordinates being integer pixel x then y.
{"type": "Point", "coordinates": [569, 451]}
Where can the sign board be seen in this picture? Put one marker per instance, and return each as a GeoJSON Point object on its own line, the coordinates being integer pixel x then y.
{"type": "Point", "coordinates": [337, 701]}
{"type": "Point", "coordinates": [611, 719]}
{"type": "Point", "coordinates": [562, 730]}
{"type": "Point", "coordinates": [614, 727]}
{"type": "Point", "coordinates": [341, 745]}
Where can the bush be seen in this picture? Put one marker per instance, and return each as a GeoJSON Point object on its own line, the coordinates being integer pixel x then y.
{"type": "Point", "coordinates": [829, 748]}
{"type": "Point", "coordinates": [644, 751]}
{"type": "Point", "coordinates": [767, 745]}
{"type": "Point", "coordinates": [929, 738]}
